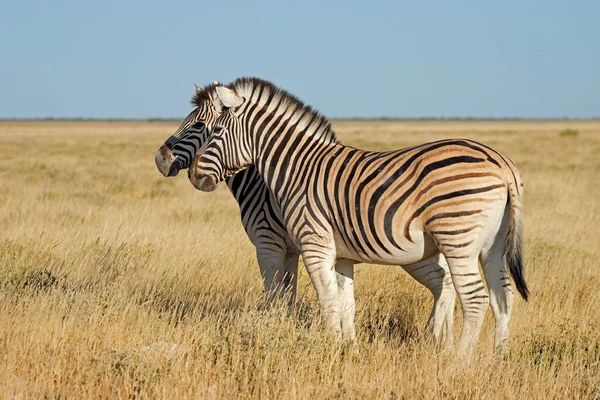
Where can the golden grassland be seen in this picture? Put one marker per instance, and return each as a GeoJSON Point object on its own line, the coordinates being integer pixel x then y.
{"type": "Point", "coordinates": [118, 283]}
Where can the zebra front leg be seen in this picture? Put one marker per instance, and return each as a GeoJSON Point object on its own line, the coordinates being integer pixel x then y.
{"type": "Point", "coordinates": [345, 280]}
{"type": "Point", "coordinates": [290, 276]}
{"type": "Point", "coordinates": [271, 264]}
{"type": "Point", "coordinates": [319, 262]}
{"type": "Point", "coordinates": [434, 274]}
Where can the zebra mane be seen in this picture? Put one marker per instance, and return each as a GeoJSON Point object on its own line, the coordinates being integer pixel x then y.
{"type": "Point", "coordinates": [207, 93]}
{"type": "Point", "coordinates": [275, 98]}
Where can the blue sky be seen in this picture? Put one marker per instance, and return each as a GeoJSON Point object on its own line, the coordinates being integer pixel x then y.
{"type": "Point", "coordinates": [139, 59]}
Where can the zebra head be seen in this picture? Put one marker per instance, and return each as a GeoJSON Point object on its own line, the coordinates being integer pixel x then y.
{"type": "Point", "coordinates": [179, 149]}
{"type": "Point", "coordinates": [228, 149]}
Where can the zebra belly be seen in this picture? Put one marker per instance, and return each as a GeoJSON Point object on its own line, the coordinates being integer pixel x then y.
{"type": "Point", "coordinates": [422, 248]}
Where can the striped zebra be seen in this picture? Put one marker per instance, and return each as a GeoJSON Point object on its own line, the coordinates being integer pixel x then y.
{"type": "Point", "coordinates": [455, 197]}
{"type": "Point", "coordinates": [276, 254]}
{"type": "Point", "coordinates": [261, 217]}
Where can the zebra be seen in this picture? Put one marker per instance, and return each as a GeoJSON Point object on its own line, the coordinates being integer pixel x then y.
{"type": "Point", "coordinates": [454, 197]}
{"type": "Point", "coordinates": [276, 254]}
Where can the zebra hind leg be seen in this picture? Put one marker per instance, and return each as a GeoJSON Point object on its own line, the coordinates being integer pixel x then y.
{"type": "Point", "coordinates": [498, 282]}
{"type": "Point", "coordinates": [434, 274]}
{"type": "Point", "coordinates": [447, 302]}
{"type": "Point", "coordinates": [473, 298]}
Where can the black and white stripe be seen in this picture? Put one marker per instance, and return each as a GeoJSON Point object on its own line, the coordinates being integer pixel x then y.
{"type": "Point", "coordinates": [261, 217]}
{"type": "Point", "coordinates": [453, 197]}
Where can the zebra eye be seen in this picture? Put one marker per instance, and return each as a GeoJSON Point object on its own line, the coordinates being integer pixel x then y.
{"type": "Point", "coordinates": [198, 125]}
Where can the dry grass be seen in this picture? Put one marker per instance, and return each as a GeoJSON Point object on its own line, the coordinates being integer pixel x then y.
{"type": "Point", "coordinates": [117, 282]}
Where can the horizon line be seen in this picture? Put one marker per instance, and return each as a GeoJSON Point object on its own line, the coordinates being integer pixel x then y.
{"type": "Point", "coordinates": [382, 118]}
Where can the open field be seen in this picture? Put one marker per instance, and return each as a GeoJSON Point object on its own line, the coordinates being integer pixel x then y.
{"type": "Point", "coordinates": [118, 283]}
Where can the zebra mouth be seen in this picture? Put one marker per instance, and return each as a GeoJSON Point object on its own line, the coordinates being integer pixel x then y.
{"type": "Point", "coordinates": [174, 170]}
{"type": "Point", "coordinates": [166, 163]}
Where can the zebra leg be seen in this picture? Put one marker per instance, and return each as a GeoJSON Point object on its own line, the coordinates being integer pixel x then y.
{"type": "Point", "coordinates": [448, 305]}
{"type": "Point", "coordinates": [319, 262]}
{"type": "Point", "coordinates": [289, 274]}
{"type": "Point", "coordinates": [474, 299]}
{"type": "Point", "coordinates": [271, 264]}
{"type": "Point", "coordinates": [434, 274]}
{"type": "Point", "coordinates": [498, 282]}
{"type": "Point", "coordinates": [345, 281]}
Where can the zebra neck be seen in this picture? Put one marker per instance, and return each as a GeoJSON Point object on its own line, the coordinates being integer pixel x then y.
{"type": "Point", "coordinates": [245, 184]}
{"type": "Point", "coordinates": [287, 160]}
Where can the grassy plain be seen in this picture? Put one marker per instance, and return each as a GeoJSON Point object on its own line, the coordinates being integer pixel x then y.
{"type": "Point", "coordinates": [118, 283]}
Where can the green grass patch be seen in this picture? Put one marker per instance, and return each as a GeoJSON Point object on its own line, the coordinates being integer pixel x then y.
{"type": "Point", "coordinates": [569, 132]}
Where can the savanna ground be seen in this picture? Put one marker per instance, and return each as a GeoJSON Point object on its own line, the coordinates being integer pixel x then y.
{"type": "Point", "coordinates": [116, 282]}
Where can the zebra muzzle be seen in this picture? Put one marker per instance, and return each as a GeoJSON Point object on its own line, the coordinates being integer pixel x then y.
{"type": "Point", "coordinates": [174, 170]}
{"type": "Point", "coordinates": [163, 161]}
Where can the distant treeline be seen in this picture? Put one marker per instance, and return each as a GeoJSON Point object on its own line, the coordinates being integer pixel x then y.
{"type": "Point", "coordinates": [173, 119]}
{"type": "Point", "coordinates": [464, 119]}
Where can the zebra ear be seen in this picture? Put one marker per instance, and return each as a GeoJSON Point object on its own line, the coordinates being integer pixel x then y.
{"type": "Point", "coordinates": [217, 103]}
{"type": "Point", "coordinates": [228, 97]}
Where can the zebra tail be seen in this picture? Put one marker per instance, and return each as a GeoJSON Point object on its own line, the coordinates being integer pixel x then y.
{"type": "Point", "coordinates": [513, 243]}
